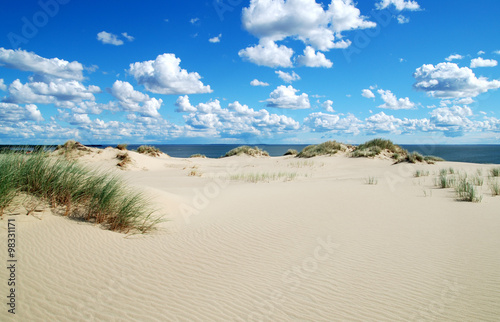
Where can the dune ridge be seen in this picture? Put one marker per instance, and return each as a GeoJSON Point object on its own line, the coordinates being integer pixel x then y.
{"type": "Point", "coordinates": [325, 246]}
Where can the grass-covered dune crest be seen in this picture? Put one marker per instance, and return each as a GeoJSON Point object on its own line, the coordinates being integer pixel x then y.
{"type": "Point", "coordinates": [325, 148]}
{"type": "Point", "coordinates": [247, 150]}
{"type": "Point", "coordinates": [75, 190]}
{"type": "Point", "coordinates": [387, 148]}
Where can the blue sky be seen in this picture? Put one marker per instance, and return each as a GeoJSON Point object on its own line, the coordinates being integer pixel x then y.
{"type": "Point", "coordinates": [261, 71]}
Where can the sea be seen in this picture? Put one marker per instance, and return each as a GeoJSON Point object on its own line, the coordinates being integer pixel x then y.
{"type": "Point", "coordinates": [485, 154]}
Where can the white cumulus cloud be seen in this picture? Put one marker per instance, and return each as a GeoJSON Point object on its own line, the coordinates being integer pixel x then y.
{"type": "Point", "coordinates": [268, 53]}
{"type": "Point", "coordinates": [165, 76]}
{"type": "Point", "coordinates": [237, 120]}
{"type": "Point", "coordinates": [61, 92]}
{"type": "Point", "coordinates": [328, 106]}
{"type": "Point", "coordinates": [383, 123]}
{"type": "Point", "coordinates": [448, 80]}
{"type": "Point", "coordinates": [453, 121]}
{"type": "Point", "coordinates": [183, 105]}
{"type": "Point", "coordinates": [14, 113]}
{"type": "Point", "coordinates": [391, 102]}
{"type": "Point", "coordinates": [400, 5]}
{"type": "Point", "coordinates": [286, 97]}
{"type": "Point", "coordinates": [127, 36]}
{"type": "Point", "coordinates": [287, 77]}
{"type": "Point", "coordinates": [311, 58]}
{"type": "Point", "coordinates": [453, 57]}
{"type": "Point", "coordinates": [3, 87]}
{"type": "Point", "coordinates": [135, 101]}
{"type": "Point", "coordinates": [481, 62]}
{"type": "Point", "coordinates": [322, 122]}
{"type": "Point", "coordinates": [367, 93]}
{"type": "Point", "coordinates": [112, 39]}
{"type": "Point", "coordinates": [109, 38]}
{"type": "Point", "coordinates": [402, 19]}
{"type": "Point", "coordinates": [303, 19]}
{"type": "Point", "coordinates": [306, 20]}
{"type": "Point", "coordinates": [28, 61]}
{"type": "Point", "coordinates": [215, 39]}
{"type": "Point", "coordinates": [257, 82]}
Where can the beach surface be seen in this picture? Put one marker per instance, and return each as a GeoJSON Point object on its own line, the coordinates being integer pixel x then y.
{"type": "Point", "coordinates": [329, 238]}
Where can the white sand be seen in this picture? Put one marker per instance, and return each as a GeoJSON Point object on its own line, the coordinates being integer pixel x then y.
{"type": "Point", "coordinates": [324, 246]}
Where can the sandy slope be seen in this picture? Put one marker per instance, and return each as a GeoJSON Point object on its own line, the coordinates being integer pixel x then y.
{"type": "Point", "coordinates": [323, 246]}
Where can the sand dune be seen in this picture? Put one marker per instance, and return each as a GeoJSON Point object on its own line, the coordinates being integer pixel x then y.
{"type": "Point", "coordinates": [315, 244]}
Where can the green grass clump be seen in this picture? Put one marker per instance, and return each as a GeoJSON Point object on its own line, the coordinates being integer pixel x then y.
{"type": "Point", "coordinates": [374, 147]}
{"type": "Point", "coordinates": [325, 148]}
{"type": "Point", "coordinates": [477, 180]}
{"type": "Point", "coordinates": [78, 191]}
{"type": "Point", "coordinates": [291, 152]}
{"type": "Point", "coordinates": [466, 191]}
{"type": "Point", "coordinates": [367, 153]}
{"type": "Point", "coordinates": [264, 177]}
{"type": "Point", "coordinates": [245, 149]}
{"type": "Point", "coordinates": [122, 147]}
{"type": "Point", "coordinates": [197, 155]}
{"type": "Point", "coordinates": [495, 172]}
{"type": "Point", "coordinates": [397, 156]}
{"type": "Point", "coordinates": [301, 164]}
{"type": "Point", "coordinates": [149, 150]}
{"type": "Point", "coordinates": [415, 157]}
{"type": "Point", "coordinates": [444, 181]}
{"type": "Point", "coordinates": [382, 144]}
{"type": "Point", "coordinates": [124, 158]}
{"type": "Point", "coordinates": [432, 159]}
{"type": "Point", "coordinates": [371, 181]}
{"type": "Point", "coordinates": [9, 178]}
{"type": "Point", "coordinates": [495, 188]}
{"type": "Point", "coordinates": [420, 173]}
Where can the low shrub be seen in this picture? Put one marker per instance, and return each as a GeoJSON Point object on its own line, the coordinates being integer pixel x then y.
{"type": "Point", "coordinates": [149, 150]}
{"type": "Point", "coordinates": [122, 147]}
{"type": "Point", "coordinates": [124, 159]}
{"type": "Point", "coordinates": [291, 152]}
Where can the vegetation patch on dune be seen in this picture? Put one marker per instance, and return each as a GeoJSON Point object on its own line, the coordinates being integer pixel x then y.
{"type": "Point", "coordinates": [495, 188]}
{"type": "Point", "coordinates": [71, 149]}
{"type": "Point", "coordinates": [79, 192]}
{"type": "Point", "coordinates": [467, 187]}
{"type": "Point", "coordinates": [264, 177]}
{"type": "Point", "coordinates": [124, 159]}
{"type": "Point", "coordinates": [291, 152]}
{"type": "Point", "coordinates": [197, 155]}
{"type": "Point", "coordinates": [122, 147]}
{"type": "Point", "coordinates": [149, 150]}
{"type": "Point", "coordinates": [466, 190]}
{"type": "Point", "coordinates": [325, 148]}
{"type": "Point", "coordinates": [245, 149]}
{"type": "Point", "coordinates": [375, 147]}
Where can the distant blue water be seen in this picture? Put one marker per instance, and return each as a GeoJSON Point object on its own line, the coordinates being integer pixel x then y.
{"type": "Point", "coordinates": [459, 153]}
